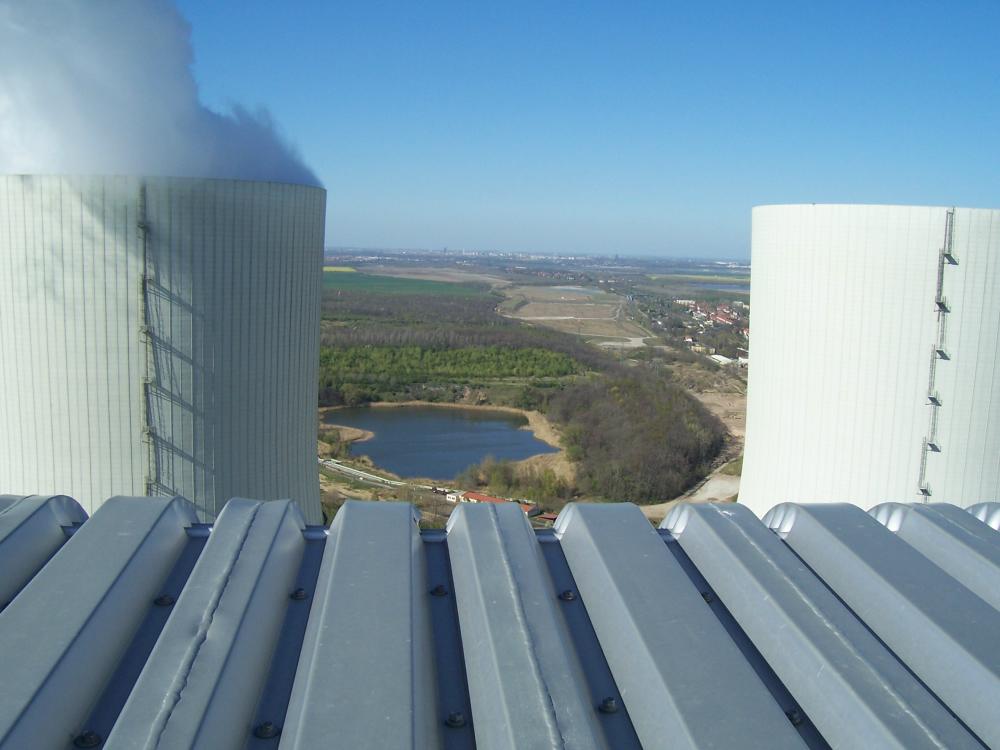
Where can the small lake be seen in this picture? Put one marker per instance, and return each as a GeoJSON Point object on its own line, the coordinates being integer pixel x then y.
{"type": "Point", "coordinates": [437, 442]}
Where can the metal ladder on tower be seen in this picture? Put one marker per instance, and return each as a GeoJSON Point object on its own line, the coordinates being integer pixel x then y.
{"type": "Point", "coordinates": [939, 353]}
{"type": "Point", "coordinates": [151, 479]}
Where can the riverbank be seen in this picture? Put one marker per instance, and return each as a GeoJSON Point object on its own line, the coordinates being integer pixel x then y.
{"type": "Point", "coordinates": [345, 433]}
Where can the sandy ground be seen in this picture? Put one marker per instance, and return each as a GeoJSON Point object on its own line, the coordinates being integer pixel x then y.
{"type": "Point", "coordinates": [592, 327]}
{"type": "Point", "coordinates": [564, 310]}
{"type": "Point", "coordinates": [731, 408]}
{"type": "Point", "coordinates": [634, 342]}
{"type": "Point", "coordinates": [555, 294]}
{"type": "Point", "coordinates": [350, 434]}
{"type": "Point", "coordinates": [717, 488]}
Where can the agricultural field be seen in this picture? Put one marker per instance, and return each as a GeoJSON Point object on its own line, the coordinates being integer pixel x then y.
{"type": "Point", "coordinates": [437, 274]}
{"type": "Point", "coordinates": [583, 312]}
{"type": "Point", "coordinates": [354, 281]}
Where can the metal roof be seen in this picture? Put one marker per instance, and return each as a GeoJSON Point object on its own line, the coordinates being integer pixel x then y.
{"type": "Point", "coordinates": [820, 626]}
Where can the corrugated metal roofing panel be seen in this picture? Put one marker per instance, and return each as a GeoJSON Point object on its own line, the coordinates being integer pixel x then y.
{"type": "Point", "coordinates": [31, 530]}
{"type": "Point", "coordinates": [365, 675]}
{"type": "Point", "coordinates": [948, 636]}
{"type": "Point", "coordinates": [518, 653]}
{"type": "Point", "coordinates": [988, 513]}
{"type": "Point", "coordinates": [957, 542]}
{"type": "Point", "coordinates": [823, 654]}
{"type": "Point", "coordinates": [211, 659]}
{"type": "Point", "coordinates": [150, 629]}
{"type": "Point", "coordinates": [654, 626]}
{"type": "Point", "coordinates": [63, 634]}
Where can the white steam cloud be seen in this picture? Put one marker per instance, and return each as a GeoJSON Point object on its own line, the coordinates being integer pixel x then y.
{"type": "Point", "coordinates": [105, 87]}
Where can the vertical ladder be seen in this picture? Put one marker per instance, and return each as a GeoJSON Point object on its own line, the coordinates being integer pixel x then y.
{"type": "Point", "coordinates": [151, 479]}
{"type": "Point", "coordinates": [939, 353]}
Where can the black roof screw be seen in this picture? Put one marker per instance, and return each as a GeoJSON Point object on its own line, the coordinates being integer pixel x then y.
{"type": "Point", "coordinates": [164, 600]}
{"type": "Point", "coordinates": [608, 706]}
{"type": "Point", "coordinates": [87, 738]}
{"type": "Point", "coordinates": [455, 720]}
{"type": "Point", "coordinates": [568, 595]}
{"type": "Point", "coordinates": [266, 731]}
{"type": "Point", "coordinates": [439, 590]}
{"type": "Point", "coordinates": [708, 596]}
{"type": "Point", "coordinates": [794, 716]}
{"type": "Point", "coordinates": [298, 595]}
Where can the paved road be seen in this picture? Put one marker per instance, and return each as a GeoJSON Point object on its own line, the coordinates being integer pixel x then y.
{"type": "Point", "coordinates": [364, 476]}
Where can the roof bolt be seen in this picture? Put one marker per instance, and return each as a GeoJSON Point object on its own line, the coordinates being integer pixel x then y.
{"type": "Point", "coordinates": [608, 706]}
{"type": "Point", "coordinates": [568, 595]}
{"type": "Point", "coordinates": [87, 738]}
{"type": "Point", "coordinates": [439, 590]}
{"type": "Point", "coordinates": [455, 720]}
{"type": "Point", "coordinates": [794, 716]}
{"type": "Point", "coordinates": [164, 600]}
{"type": "Point", "coordinates": [266, 731]}
{"type": "Point", "coordinates": [708, 596]}
{"type": "Point", "coordinates": [298, 595]}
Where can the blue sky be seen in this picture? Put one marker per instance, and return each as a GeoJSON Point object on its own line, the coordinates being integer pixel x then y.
{"type": "Point", "coordinates": [616, 127]}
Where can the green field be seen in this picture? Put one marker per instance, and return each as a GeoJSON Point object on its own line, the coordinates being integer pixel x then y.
{"type": "Point", "coordinates": [363, 282]}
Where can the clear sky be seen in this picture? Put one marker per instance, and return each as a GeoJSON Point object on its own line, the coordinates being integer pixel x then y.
{"type": "Point", "coordinates": [613, 127]}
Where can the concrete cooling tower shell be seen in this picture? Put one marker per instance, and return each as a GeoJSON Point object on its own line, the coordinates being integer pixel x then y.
{"type": "Point", "coordinates": [874, 340]}
{"type": "Point", "coordinates": [159, 336]}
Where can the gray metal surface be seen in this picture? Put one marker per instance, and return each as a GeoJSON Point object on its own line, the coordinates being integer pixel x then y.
{"type": "Point", "coordinates": [365, 676]}
{"type": "Point", "coordinates": [31, 530]}
{"type": "Point", "coordinates": [653, 626]}
{"type": "Point", "coordinates": [209, 664]}
{"type": "Point", "coordinates": [957, 542]}
{"type": "Point", "coordinates": [945, 634]}
{"type": "Point", "coordinates": [824, 655]}
{"type": "Point", "coordinates": [988, 513]}
{"type": "Point", "coordinates": [63, 635]}
{"type": "Point", "coordinates": [148, 629]}
{"type": "Point", "coordinates": [523, 673]}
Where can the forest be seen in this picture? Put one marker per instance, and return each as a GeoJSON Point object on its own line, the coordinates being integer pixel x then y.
{"type": "Point", "coordinates": [380, 346]}
{"type": "Point", "coordinates": [636, 437]}
{"type": "Point", "coordinates": [633, 437]}
{"type": "Point", "coordinates": [417, 364]}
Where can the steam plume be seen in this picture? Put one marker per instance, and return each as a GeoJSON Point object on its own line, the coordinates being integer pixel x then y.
{"type": "Point", "coordinates": [105, 87]}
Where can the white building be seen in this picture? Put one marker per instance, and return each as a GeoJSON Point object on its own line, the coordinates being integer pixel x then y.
{"type": "Point", "coordinates": [875, 333]}
{"type": "Point", "coordinates": [159, 336]}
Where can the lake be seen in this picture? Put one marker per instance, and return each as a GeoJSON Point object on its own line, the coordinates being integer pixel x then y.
{"type": "Point", "coordinates": [437, 442]}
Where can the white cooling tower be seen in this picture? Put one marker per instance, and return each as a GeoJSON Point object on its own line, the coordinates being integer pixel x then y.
{"type": "Point", "coordinates": [874, 355]}
{"type": "Point", "coordinates": [159, 336]}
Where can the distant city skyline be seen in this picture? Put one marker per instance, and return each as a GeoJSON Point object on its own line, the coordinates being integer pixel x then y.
{"type": "Point", "coordinates": [638, 129]}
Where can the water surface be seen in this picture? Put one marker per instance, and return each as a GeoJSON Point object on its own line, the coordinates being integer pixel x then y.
{"type": "Point", "coordinates": [437, 442]}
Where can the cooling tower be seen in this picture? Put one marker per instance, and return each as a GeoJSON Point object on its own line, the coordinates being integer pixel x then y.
{"type": "Point", "coordinates": [874, 339]}
{"type": "Point", "coordinates": [159, 336]}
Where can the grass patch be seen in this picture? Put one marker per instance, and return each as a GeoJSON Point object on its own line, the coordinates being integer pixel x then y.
{"type": "Point", "coordinates": [369, 284]}
{"type": "Point", "coordinates": [733, 468]}
{"type": "Point", "coordinates": [339, 269]}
